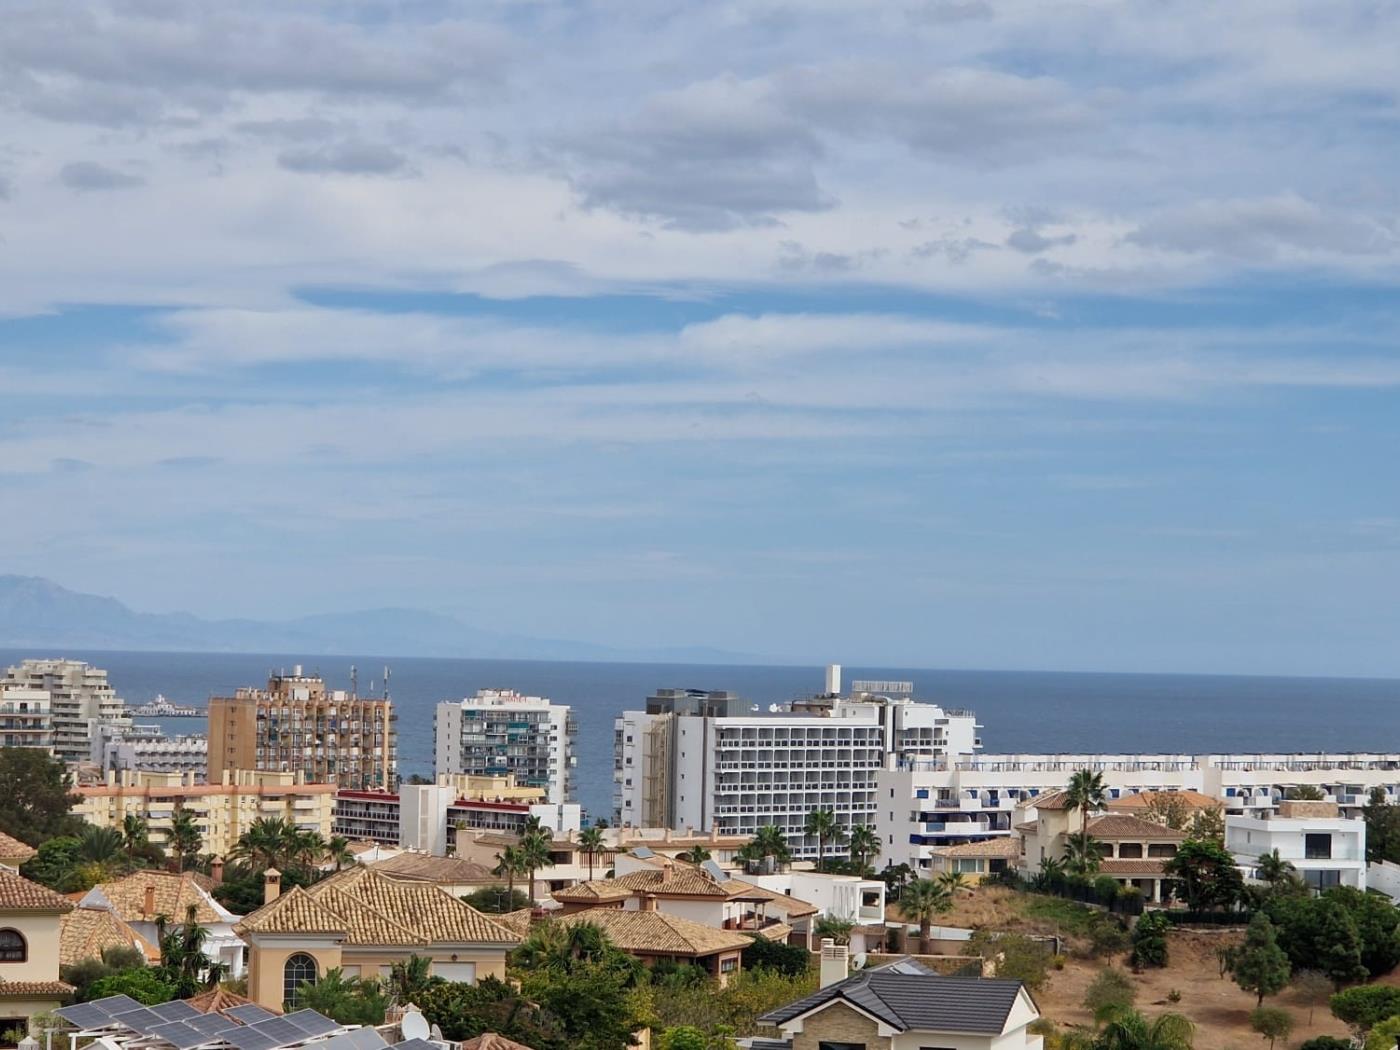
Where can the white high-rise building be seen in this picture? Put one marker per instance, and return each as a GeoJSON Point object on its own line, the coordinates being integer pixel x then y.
{"type": "Point", "coordinates": [80, 698]}
{"type": "Point", "coordinates": [706, 760]}
{"type": "Point", "coordinates": [25, 718]}
{"type": "Point", "coordinates": [500, 731]}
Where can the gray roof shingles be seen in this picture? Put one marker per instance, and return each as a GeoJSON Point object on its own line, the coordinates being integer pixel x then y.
{"type": "Point", "coordinates": [917, 1002]}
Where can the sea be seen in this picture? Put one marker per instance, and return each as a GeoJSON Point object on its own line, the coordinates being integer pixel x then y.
{"type": "Point", "coordinates": [1021, 711]}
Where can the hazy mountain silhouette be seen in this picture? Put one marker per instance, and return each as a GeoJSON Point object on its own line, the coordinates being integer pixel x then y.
{"type": "Point", "coordinates": [39, 613]}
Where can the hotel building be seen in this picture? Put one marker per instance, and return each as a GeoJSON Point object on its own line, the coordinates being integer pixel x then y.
{"type": "Point", "coordinates": [500, 732]}
{"type": "Point", "coordinates": [79, 699]}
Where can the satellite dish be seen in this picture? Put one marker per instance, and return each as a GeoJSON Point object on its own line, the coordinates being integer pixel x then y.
{"type": "Point", "coordinates": [414, 1026]}
{"type": "Point", "coordinates": [437, 1034]}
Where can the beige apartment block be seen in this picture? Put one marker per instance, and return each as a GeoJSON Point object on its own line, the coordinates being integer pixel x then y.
{"type": "Point", "coordinates": [222, 810]}
{"type": "Point", "coordinates": [297, 725]}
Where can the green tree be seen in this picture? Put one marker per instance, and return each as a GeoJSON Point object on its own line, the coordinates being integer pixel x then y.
{"type": "Point", "coordinates": [1305, 793]}
{"type": "Point", "coordinates": [86, 972]}
{"type": "Point", "coordinates": [510, 863]}
{"type": "Point", "coordinates": [497, 900]}
{"type": "Point", "coordinates": [864, 845]}
{"type": "Point", "coordinates": [56, 864]}
{"type": "Point", "coordinates": [1013, 956]}
{"type": "Point", "coordinates": [1377, 925]}
{"type": "Point", "coordinates": [1086, 791]}
{"type": "Point", "coordinates": [1260, 965]}
{"type": "Point", "coordinates": [36, 796]}
{"type": "Point", "coordinates": [269, 842]}
{"type": "Point", "coordinates": [1082, 854]}
{"type": "Point", "coordinates": [338, 852]}
{"type": "Point", "coordinates": [697, 854]}
{"type": "Point", "coordinates": [1326, 1042]}
{"type": "Point", "coordinates": [145, 986]}
{"type": "Point", "coordinates": [1110, 994]}
{"type": "Point", "coordinates": [788, 959]}
{"type": "Point", "coordinates": [348, 1000]}
{"type": "Point", "coordinates": [185, 838]}
{"type": "Point", "coordinates": [182, 959]}
{"type": "Point", "coordinates": [592, 1002]}
{"type": "Point", "coordinates": [1169, 808]}
{"type": "Point", "coordinates": [1337, 945]}
{"type": "Point", "coordinates": [590, 841]}
{"type": "Point", "coordinates": [839, 930]}
{"type": "Point", "coordinates": [1385, 1036]}
{"type": "Point", "coordinates": [952, 881]}
{"type": "Point", "coordinates": [1365, 1006]}
{"type": "Point", "coordinates": [1382, 827]}
{"type": "Point", "coordinates": [464, 1011]}
{"type": "Point", "coordinates": [410, 978]}
{"type": "Point", "coordinates": [136, 836]}
{"type": "Point", "coordinates": [821, 824]}
{"type": "Point", "coordinates": [895, 878]}
{"type": "Point", "coordinates": [535, 846]}
{"type": "Point", "coordinates": [1272, 1023]}
{"type": "Point", "coordinates": [768, 842]}
{"type": "Point", "coordinates": [1208, 825]}
{"type": "Point", "coordinates": [920, 902]}
{"type": "Point", "coordinates": [1150, 939]}
{"type": "Point", "coordinates": [1133, 1031]}
{"type": "Point", "coordinates": [1273, 869]}
{"type": "Point", "coordinates": [1207, 875]}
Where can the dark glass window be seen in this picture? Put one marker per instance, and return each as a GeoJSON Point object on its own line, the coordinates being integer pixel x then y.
{"type": "Point", "coordinates": [13, 947]}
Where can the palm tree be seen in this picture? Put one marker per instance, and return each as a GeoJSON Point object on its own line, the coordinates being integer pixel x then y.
{"type": "Point", "coordinates": [1086, 791]}
{"type": "Point", "coordinates": [182, 953]}
{"type": "Point", "coordinates": [767, 842]}
{"type": "Point", "coordinates": [1082, 854]}
{"type": "Point", "coordinates": [865, 844]}
{"type": "Point", "coordinates": [534, 850]}
{"type": "Point", "coordinates": [697, 854]}
{"type": "Point", "coordinates": [185, 839]}
{"type": "Point", "coordinates": [1273, 869]}
{"type": "Point", "coordinates": [920, 902]}
{"type": "Point", "coordinates": [409, 977]}
{"type": "Point", "coordinates": [952, 881]}
{"type": "Point", "coordinates": [590, 841]}
{"type": "Point", "coordinates": [99, 845]}
{"type": "Point", "coordinates": [822, 824]}
{"type": "Point", "coordinates": [136, 835]}
{"type": "Point", "coordinates": [266, 844]}
{"type": "Point", "coordinates": [1130, 1030]}
{"type": "Point", "coordinates": [307, 848]}
{"type": "Point", "coordinates": [338, 852]}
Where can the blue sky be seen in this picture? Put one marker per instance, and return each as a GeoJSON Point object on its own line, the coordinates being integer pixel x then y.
{"type": "Point", "coordinates": [935, 333]}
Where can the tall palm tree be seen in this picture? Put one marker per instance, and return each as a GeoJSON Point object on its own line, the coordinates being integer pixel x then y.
{"type": "Point", "coordinates": [865, 844]}
{"type": "Point", "coordinates": [767, 842]}
{"type": "Point", "coordinates": [267, 843]}
{"type": "Point", "coordinates": [307, 849]}
{"type": "Point", "coordinates": [136, 834]}
{"type": "Point", "coordinates": [99, 845]}
{"type": "Point", "coordinates": [1130, 1030]}
{"type": "Point", "coordinates": [590, 841]}
{"type": "Point", "coordinates": [185, 839]}
{"type": "Point", "coordinates": [1086, 791]}
{"type": "Point", "coordinates": [821, 823]}
{"type": "Point", "coordinates": [338, 852]}
{"type": "Point", "coordinates": [1273, 869]}
{"type": "Point", "coordinates": [952, 881]}
{"type": "Point", "coordinates": [920, 901]}
{"type": "Point", "coordinates": [508, 865]}
{"type": "Point", "coordinates": [1082, 854]}
{"type": "Point", "coordinates": [534, 850]}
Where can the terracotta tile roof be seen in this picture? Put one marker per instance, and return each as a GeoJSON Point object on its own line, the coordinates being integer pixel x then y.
{"type": "Point", "coordinates": [426, 910]}
{"type": "Point", "coordinates": [683, 881]}
{"type": "Point", "coordinates": [18, 894]}
{"type": "Point", "coordinates": [1030, 827]}
{"type": "Point", "coordinates": [1124, 825]}
{"type": "Point", "coordinates": [425, 868]}
{"type": "Point", "coordinates": [1141, 800]}
{"type": "Point", "coordinates": [174, 893]}
{"type": "Point", "coordinates": [219, 999]}
{"type": "Point", "coordinates": [789, 906]}
{"type": "Point", "coordinates": [998, 847]}
{"type": "Point", "coordinates": [592, 892]}
{"type": "Point", "coordinates": [1146, 866]}
{"type": "Point", "coordinates": [295, 911]}
{"type": "Point", "coordinates": [85, 933]}
{"type": "Point", "coordinates": [777, 931]}
{"type": "Point", "coordinates": [12, 848]}
{"type": "Point", "coordinates": [492, 1041]}
{"type": "Point", "coordinates": [656, 933]}
{"type": "Point", "coordinates": [365, 925]}
{"type": "Point", "coordinates": [517, 922]}
{"type": "Point", "coordinates": [35, 990]}
{"type": "Point", "coordinates": [1052, 800]}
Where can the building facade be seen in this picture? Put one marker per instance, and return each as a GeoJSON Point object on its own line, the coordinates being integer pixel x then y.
{"type": "Point", "coordinates": [702, 760]}
{"type": "Point", "coordinates": [146, 748]}
{"type": "Point", "coordinates": [79, 699]}
{"type": "Point", "coordinates": [25, 718]}
{"type": "Point", "coordinates": [1325, 848]}
{"type": "Point", "coordinates": [499, 731]}
{"type": "Point", "coordinates": [221, 811]}
{"type": "Point", "coordinates": [297, 725]}
{"type": "Point", "coordinates": [31, 918]}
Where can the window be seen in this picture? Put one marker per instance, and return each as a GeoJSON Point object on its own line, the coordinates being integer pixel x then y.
{"type": "Point", "coordinates": [300, 969]}
{"type": "Point", "coordinates": [1161, 849]}
{"type": "Point", "coordinates": [13, 947]}
{"type": "Point", "coordinates": [728, 965]}
{"type": "Point", "coordinates": [1130, 850]}
{"type": "Point", "coordinates": [824, 1045]}
{"type": "Point", "coordinates": [1317, 845]}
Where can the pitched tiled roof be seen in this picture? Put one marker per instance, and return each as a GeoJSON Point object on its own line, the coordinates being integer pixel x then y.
{"type": "Point", "coordinates": [656, 933]}
{"type": "Point", "coordinates": [1004, 846]}
{"type": "Point", "coordinates": [365, 925]}
{"type": "Point", "coordinates": [1029, 827]}
{"type": "Point", "coordinates": [779, 931]}
{"type": "Point", "coordinates": [295, 911]}
{"type": "Point", "coordinates": [593, 892]}
{"type": "Point", "coordinates": [677, 881]}
{"type": "Point", "coordinates": [492, 1041]}
{"type": "Point", "coordinates": [219, 999]}
{"type": "Point", "coordinates": [425, 868]}
{"type": "Point", "coordinates": [916, 1002]}
{"type": "Point", "coordinates": [1051, 800]}
{"type": "Point", "coordinates": [789, 906]}
{"type": "Point", "coordinates": [174, 893]}
{"type": "Point", "coordinates": [18, 894]}
{"type": "Point", "coordinates": [12, 848]}
{"type": "Point", "coordinates": [85, 933]}
{"type": "Point", "coordinates": [35, 990]}
{"type": "Point", "coordinates": [1139, 801]}
{"type": "Point", "coordinates": [517, 922]}
{"type": "Point", "coordinates": [427, 910]}
{"type": "Point", "coordinates": [1124, 825]}
{"type": "Point", "coordinates": [1145, 866]}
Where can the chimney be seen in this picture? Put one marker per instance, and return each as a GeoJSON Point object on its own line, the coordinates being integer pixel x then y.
{"type": "Point", "coordinates": [667, 837]}
{"type": "Point", "coordinates": [667, 870]}
{"type": "Point", "coordinates": [148, 906]}
{"type": "Point", "coordinates": [216, 870]}
{"type": "Point", "coordinates": [833, 679]}
{"type": "Point", "coordinates": [836, 962]}
{"type": "Point", "coordinates": [272, 885]}
{"type": "Point", "coordinates": [714, 832]}
{"type": "Point", "coordinates": [649, 901]}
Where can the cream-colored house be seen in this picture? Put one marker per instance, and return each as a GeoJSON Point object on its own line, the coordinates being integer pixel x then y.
{"type": "Point", "coordinates": [13, 852]}
{"type": "Point", "coordinates": [31, 918]}
{"type": "Point", "coordinates": [1134, 851]}
{"type": "Point", "coordinates": [88, 932]}
{"type": "Point", "coordinates": [363, 922]}
{"type": "Point", "coordinates": [976, 861]}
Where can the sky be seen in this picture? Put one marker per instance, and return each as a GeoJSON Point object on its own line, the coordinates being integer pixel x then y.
{"type": "Point", "coordinates": [935, 333]}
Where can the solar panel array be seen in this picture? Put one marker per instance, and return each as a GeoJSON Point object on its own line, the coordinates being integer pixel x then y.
{"type": "Point", "coordinates": [359, 1039]}
{"type": "Point", "coordinates": [182, 1027]}
{"type": "Point", "coordinates": [415, 1044]}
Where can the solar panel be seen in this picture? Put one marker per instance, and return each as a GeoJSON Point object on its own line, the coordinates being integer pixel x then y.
{"type": "Point", "coordinates": [142, 1019]}
{"type": "Point", "coordinates": [116, 1004]}
{"type": "Point", "coordinates": [249, 1038]}
{"type": "Point", "coordinates": [644, 852]}
{"type": "Point", "coordinates": [280, 1029]}
{"type": "Point", "coordinates": [366, 1039]}
{"type": "Point", "coordinates": [179, 1035]}
{"type": "Point", "coordinates": [416, 1044]}
{"type": "Point", "coordinates": [313, 1024]}
{"type": "Point", "coordinates": [212, 1024]}
{"type": "Point", "coordinates": [177, 1011]}
{"type": "Point", "coordinates": [249, 1014]}
{"type": "Point", "coordinates": [84, 1015]}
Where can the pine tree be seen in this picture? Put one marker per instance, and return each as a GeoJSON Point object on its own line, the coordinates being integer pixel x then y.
{"type": "Point", "coordinates": [1337, 945]}
{"type": "Point", "coordinates": [1260, 965]}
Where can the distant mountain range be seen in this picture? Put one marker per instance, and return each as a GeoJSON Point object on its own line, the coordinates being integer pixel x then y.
{"type": "Point", "coordinates": [35, 612]}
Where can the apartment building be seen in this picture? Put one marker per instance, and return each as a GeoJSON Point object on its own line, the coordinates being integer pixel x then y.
{"type": "Point", "coordinates": [703, 759]}
{"type": "Point", "coordinates": [79, 699]}
{"type": "Point", "coordinates": [25, 718]}
{"type": "Point", "coordinates": [1325, 848]}
{"type": "Point", "coordinates": [222, 811]}
{"type": "Point", "coordinates": [927, 806]}
{"type": "Point", "coordinates": [500, 731]}
{"type": "Point", "coordinates": [148, 748]}
{"type": "Point", "coordinates": [297, 725]}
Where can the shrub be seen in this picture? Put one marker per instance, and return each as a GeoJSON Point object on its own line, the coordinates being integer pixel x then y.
{"type": "Point", "coordinates": [1106, 889]}
{"type": "Point", "coordinates": [1174, 996]}
{"type": "Point", "coordinates": [1326, 1042]}
{"type": "Point", "coordinates": [1150, 940]}
{"type": "Point", "coordinates": [1383, 1036]}
{"type": "Point", "coordinates": [1365, 1006]}
{"type": "Point", "coordinates": [763, 954]}
{"type": "Point", "coordinates": [1271, 1022]}
{"type": "Point", "coordinates": [1109, 994]}
{"type": "Point", "coordinates": [1107, 937]}
{"type": "Point", "coordinates": [145, 986]}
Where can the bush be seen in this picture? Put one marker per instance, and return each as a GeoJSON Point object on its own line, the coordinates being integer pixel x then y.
{"type": "Point", "coordinates": [1174, 996]}
{"type": "Point", "coordinates": [1016, 957]}
{"type": "Point", "coordinates": [1326, 1042]}
{"type": "Point", "coordinates": [1384, 1035]}
{"type": "Point", "coordinates": [145, 986]}
{"type": "Point", "coordinates": [1150, 940]}
{"type": "Point", "coordinates": [1107, 937]}
{"type": "Point", "coordinates": [1271, 1022]}
{"type": "Point", "coordinates": [1365, 1006]}
{"type": "Point", "coordinates": [1109, 994]}
{"type": "Point", "coordinates": [763, 954]}
{"type": "Point", "coordinates": [497, 900]}
{"type": "Point", "coordinates": [1106, 889]}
